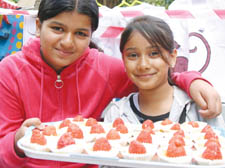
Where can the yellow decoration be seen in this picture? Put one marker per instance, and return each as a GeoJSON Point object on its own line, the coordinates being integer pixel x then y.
{"type": "Point", "coordinates": [19, 36]}
{"type": "Point", "coordinates": [1, 19]}
{"type": "Point", "coordinates": [13, 52]}
{"type": "Point", "coordinates": [124, 3]}
{"type": "Point", "coordinates": [18, 16]}
{"type": "Point", "coordinates": [21, 25]}
{"type": "Point", "coordinates": [18, 44]}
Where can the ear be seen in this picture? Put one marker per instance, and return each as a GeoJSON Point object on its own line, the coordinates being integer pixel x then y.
{"type": "Point", "coordinates": [173, 59]}
{"type": "Point", "coordinates": [122, 55]}
{"type": "Point", "coordinates": [38, 27]}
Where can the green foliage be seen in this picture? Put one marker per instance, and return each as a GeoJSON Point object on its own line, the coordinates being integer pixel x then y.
{"type": "Point", "coordinates": [113, 3]}
{"type": "Point", "coordinates": [164, 3]}
{"type": "Point", "coordinates": [15, 1]}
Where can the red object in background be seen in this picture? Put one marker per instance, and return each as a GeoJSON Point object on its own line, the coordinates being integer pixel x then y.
{"type": "Point", "coordinates": [8, 5]}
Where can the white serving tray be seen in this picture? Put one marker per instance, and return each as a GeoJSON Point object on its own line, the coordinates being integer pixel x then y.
{"type": "Point", "coordinates": [111, 161]}
{"type": "Point", "coordinates": [103, 160]}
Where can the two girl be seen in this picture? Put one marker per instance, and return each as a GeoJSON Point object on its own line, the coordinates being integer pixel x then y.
{"type": "Point", "coordinates": [58, 75]}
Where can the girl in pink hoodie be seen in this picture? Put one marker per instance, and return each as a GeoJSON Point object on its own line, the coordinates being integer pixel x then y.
{"type": "Point", "coordinates": [57, 76]}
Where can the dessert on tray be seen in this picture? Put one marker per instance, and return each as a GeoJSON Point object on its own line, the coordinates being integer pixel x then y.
{"type": "Point", "coordinates": [163, 142]}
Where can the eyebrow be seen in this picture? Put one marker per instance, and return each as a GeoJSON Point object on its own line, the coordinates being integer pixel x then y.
{"type": "Point", "coordinates": [58, 23]}
{"type": "Point", "coordinates": [133, 48]}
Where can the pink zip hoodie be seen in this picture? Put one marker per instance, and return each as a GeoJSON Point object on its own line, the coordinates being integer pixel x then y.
{"type": "Point", "coordinates": [30, 88]}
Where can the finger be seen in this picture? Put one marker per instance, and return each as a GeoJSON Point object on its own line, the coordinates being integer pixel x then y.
{"type": "Point", "coordinates": [219, 105]}
{"type": "Point", "coordinates": [31, 122]}
{"type": "Point", "coordinates": [211, 107]}
{"type": "Point", "coordinates": [205, 113]}
{"type": "Point", "coordinates": [214, 109]}
{"type": "Point", "coordinates": [40, 127]}
{"type": "Point", "coordinates": [200, 101]}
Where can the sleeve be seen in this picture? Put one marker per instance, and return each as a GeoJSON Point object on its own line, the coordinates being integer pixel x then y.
{"type": "Point", "coordinates": [9, 158]}
{"type": "Point", "coordinates": [10, 120]}
{"type": "Point", "coordinates": [184, 79]}
{"type": "Point", "coordinates": [111, 112]}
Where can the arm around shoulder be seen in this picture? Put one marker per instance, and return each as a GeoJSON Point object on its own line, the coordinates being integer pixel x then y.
{"type": "Point", "coordinates": [201, 91]}
{"type": "Point", "coordinates": [184, 79]}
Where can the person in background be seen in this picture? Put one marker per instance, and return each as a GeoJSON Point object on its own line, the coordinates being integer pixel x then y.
{"type": "Point", "coordinates": [57, 76]}
{"type": "Point", "coordinates": [148, 53]}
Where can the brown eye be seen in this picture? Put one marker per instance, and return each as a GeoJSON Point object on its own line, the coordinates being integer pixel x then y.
{"type": "Point", "coordinates": [57, 28]}
{"type": "Point", "coordinates": [81, 34]}
{"type": "Point", "coordinates": [132, 55]}
{"type": "Point", "coordinates": [154, 54]}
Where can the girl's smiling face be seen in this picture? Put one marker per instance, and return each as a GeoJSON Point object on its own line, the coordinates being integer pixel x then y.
{"type": "Point", "coordinates": [64, 38]}
{"type": "Point", "coordinates": [144, 63]}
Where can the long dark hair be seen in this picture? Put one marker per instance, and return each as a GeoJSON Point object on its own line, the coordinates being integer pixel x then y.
{"type": "Point", "coordinates": [51, 8]}
{"type": "Point", "coordinates": [155, 30]}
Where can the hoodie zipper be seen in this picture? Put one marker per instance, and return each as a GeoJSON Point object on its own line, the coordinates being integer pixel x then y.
{"type": "Point", "coordinates": [59, 83]}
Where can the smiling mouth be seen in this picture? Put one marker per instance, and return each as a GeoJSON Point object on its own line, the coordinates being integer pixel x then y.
{"type": "Point", "coordinates": [64, 53]}
{"type": "Point", "coordinates": [145, 75]}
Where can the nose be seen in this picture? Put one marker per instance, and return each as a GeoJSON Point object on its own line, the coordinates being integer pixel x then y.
{"type": "Point", "coordinates": [144, 63]}
{"type": "Point", "coordinates": [68, 41]}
